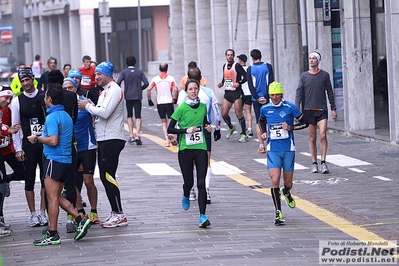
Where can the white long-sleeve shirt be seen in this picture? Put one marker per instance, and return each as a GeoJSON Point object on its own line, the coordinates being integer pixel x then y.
{"type": "Point", "coordinates": [108, 113]}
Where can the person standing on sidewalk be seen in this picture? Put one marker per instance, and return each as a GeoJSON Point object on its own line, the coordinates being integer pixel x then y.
{"type": "Point", "coordinates": [259, 76]}
{"type": "Point", "coordinates": [192, 118]}
{"type": "Point", "coordinates": [28, 111]}
{"type": "Point", "coordinates": [311, 95]}
{"type": "Point", "coordinates": [166, 89]}
{"type": "Point", "coordinates": [135, 82]}
{"type": "Point", "coordinates": [108, 113]}
{"type": "Point", "coordinates": [278, 116]}
{"type": "Point", "coordinates": [234, 76]}
{"type": "Point", "coordinates": [88, 80]}
{"type": "Point", "coordinates": [57, 142]}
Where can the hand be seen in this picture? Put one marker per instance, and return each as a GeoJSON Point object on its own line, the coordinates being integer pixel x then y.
{"type": "Point", "coordinates": [208, 128]}
{"type": "Point", "coordinates": [32, 139]}
{"type": "Point", "coordinates": [82, 103]}
{"type": "Point", "coordinates": [220, 85]}
{"type": "Point", "coordinates": [262, 100]}
{"type": "Point", "coordinates": [13, 129]}
{"type": "Point", "coordinates": [20, 155]}
{"type": "Point", "coordinates": [334, 114]}
{"type": "Point", "coordinates": [150, 103]}
{"type": "Point", "coordinates": [217, 134]}
{"type": "Point", "coordinates": [264, 136]}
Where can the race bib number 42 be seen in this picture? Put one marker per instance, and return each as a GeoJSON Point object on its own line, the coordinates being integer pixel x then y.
{"type": "Point", "coordinates": [35, 127]}
{"type": "Point", "coordinates": [196, 137]}
{"type": "Point", "coordinates": [277, 132]}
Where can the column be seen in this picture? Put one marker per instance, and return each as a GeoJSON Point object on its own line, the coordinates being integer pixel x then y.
{"type": "Point", "coordinates": [65, 48]}
{"type": "Point", "coordinates": [87, 33]}
{"type": "Point", "coordinates": [44, 40]}
{"type": "Point", "coordinates": [176, 40]}
{"type": "Point", "coordinates": [75, 44]}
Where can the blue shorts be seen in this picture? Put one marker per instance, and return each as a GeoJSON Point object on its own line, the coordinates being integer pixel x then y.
{"type": "Point", "coordinates": [284, 159]}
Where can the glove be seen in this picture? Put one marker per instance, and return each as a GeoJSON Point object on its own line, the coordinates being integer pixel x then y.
{"type": "Point", "coordinates": [150, 103]}
{"type": "Point", "coordinates": [217, 135]}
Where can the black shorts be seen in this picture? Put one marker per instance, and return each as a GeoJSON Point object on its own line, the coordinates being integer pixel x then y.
{"type": "Point", "coordinates": [257, 107]}
{"type": "Point", "coordinates": [57, 171]}
{"type": "Point", "coordinates": [232, 96]}
{"type": "Point", "coordinates": [165, 109]}
{"type": "Point", "coordinates": [247, 99]}
{"type": "Point", "coordinates": [314, 116]}
{"type": "Point", "coordinates": [88, 161]}
{"type": "Point", "coordinates": [136, 104]}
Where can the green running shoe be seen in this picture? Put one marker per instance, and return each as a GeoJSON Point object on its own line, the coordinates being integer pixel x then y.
{"type": "Point", "coordinates": [288, 199]}
{"type": "Point", "coordinates": [230, 132]}
{"type": "Point", "coordinates": [48, 240]}
{"type": "Point", "coordinates": [279, 220]}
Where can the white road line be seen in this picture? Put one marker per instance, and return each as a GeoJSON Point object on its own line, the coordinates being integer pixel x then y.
{"type": "Point", "coordinates": [297, 166]}
{"type": "Point", "coordinates": [382, 178]}
{"type": "Point", "coordinates": [223, 168]}
{"type": "Point", "coordinates": [158, 169]}
{"type": "Point", "coordinates": [356, 170]}
{"type": "Point", "coordinates": [341, 160]}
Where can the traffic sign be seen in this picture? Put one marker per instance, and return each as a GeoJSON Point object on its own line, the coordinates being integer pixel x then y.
{"type": "Point", "coordinates": [6, 36]}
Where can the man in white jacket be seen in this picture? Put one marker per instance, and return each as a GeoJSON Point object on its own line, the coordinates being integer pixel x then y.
{"type": "Point", "coordinates": [108, 115]}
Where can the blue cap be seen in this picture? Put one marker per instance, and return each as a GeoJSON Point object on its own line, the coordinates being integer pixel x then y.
{"type": "Point", "coordinates": [72, 81]}
{"type": "Point", "coordinates": [75, 73]}
{"type": "Point", "coordinates": [105, 68]}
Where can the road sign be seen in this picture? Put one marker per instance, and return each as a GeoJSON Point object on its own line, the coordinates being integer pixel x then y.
{"type": "Point", "coordinates": [105, 25]}
{"type": "Point", "coordinates": [6, 36]}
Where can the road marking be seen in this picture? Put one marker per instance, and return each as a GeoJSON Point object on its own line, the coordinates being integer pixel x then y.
{"type": "Point", "coordinates": [223, 168]}
{"type": "Point", "coordinates": [297, 166]}
{"type": "Point", "coordinates": [356, 170]}
{"type": "Point", "coordinates": [341, 160]}
{"type": "Point", "coordinates": [158, 169]}
{"type": "Point", "coordinates": [382, 178]}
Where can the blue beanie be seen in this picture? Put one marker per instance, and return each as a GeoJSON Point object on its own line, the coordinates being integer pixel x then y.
{"type": "Point", "coordinates": [75, 73]}
{"type": "Point", "coordinates": [105, 68]}
{"type": "Point", "coordinates": [72, 81]}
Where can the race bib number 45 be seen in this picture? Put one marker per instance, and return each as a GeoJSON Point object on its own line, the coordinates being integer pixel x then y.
{"type": "Point", "coordinates": [35, 127]}
{"type": "Point", "coordinates": [196, 137]}
{"type": "Point", "coordinates": [277, 132]}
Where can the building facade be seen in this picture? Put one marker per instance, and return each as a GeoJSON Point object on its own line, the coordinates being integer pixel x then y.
{"type": "Point", "coordinates": [352, 36]}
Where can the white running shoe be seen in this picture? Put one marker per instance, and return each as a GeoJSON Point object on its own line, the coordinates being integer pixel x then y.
{"type": "Point", "coordinates": [34, 220]}
{"type": "Point", "coordinates": [116, 220]}
{"type": "Point", "coordinates": [193, 196]}
{"type": "Point", "coordinates": [42, 219]}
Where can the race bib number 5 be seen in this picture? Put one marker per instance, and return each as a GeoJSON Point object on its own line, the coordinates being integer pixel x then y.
{"type": "Point", "coordinates": [35, 127]}
{"type": "Point", "coordinates": [277, 132]}
{"type": "Point", "coordinates": [196, 137]}
{"type": "Point", "coordinates": [228, 84]}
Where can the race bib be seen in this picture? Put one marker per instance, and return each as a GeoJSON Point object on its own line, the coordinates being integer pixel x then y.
{"type": "Point", "coordinates": [195, 138]}
{"type": "Point", "coordinates": [4, 142]}
{"type": "Point", "coordinates": [228, 84]}
{"type": "Point", "coordinates": [86, 80]}
{"type": "Point", "coordinates": [35, 127]}
{"type": "Point", "coordinates": [277, 132]}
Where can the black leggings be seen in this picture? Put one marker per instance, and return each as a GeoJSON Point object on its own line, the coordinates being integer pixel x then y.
{"type": "Point", "coordinates": [187, 158]}
{"type": "Point", "coordinates": [108, 158]}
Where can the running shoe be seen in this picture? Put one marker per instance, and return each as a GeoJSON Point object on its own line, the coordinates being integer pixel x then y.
{"type": "Point", "coordinates": [230, 132]}
{"type": "Point", "coordinates": [288, 198]}
{"type": "Point", "coordinates": [185, 203]}
{"type": "Point", "coordinates": [208, 197]}
{"type": "Point", "coordinates": [70, 227]}
{"type": "Point", "coordinates": [203, 221]}
{"type": "Point", "coordinates": [5, 232]}
{"type": "Point", "coordinates": [42, 219]}
{"type": "Point", "coordinates": [261, 150]}
{"type": "Point", "coordinates": [167, 143]}
{"type": "Point", "coordinates": [131, 140]}
{"type": "Point", "coordinates": [94, 217]}
{"type": "Point", "coordinates": [116, 220]}
{"type": "Point", "coordinates": [3, 225]}
{"type": "Point", "coordinates": [8, 191]}
{"type": "Point", "coordinates": [243, 138]}
{"type": "Point", "coordinates": [249, 132]}
{"type": "Point", "coordinates": [279, 218]}
{"type": "Point", "coordinates": [48, 240]}
{"type": "Point", "coordinates": [324, 168]}
{"type": "Point", "coordinates": [172, 140]}
{"type": "Point", "coordinates": [314, 168]}
{"type": "Point", "coordinates": [34, 220]}
{"type": "Point", "coordinates": [138, 141]}
{"type": "Point", "coordinates": [193, 196]}
{"type": "Point", "coordinates": [81, 228]}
